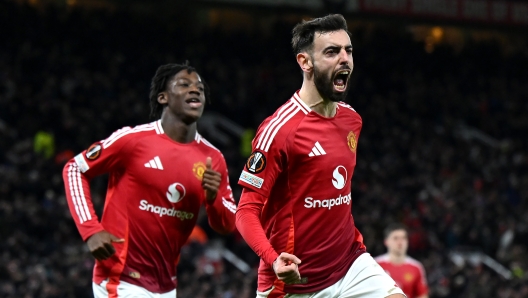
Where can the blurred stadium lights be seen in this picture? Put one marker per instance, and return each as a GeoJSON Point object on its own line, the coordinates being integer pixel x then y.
{"type": "Point", "coordinates": [498, 12]}
{"type": "Point", "coordinates": [509, 13]}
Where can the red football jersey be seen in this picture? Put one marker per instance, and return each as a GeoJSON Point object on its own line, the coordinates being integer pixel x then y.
{"type": "Point", "coordinates": [303, 163]}
{"type": "Point", "coordinates": [410, 276]}
{"type": "Point", "coordinates": [153, 199]}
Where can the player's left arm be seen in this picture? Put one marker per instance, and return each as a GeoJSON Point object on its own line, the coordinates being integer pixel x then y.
{"type": "Point", "coordinates": [219, 202]}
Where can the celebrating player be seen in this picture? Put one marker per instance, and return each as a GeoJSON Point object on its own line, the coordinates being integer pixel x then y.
{"type": "Point", "coordinates": [160, 174]}
{"type": "Point", "coordinates": [295, 209]}
{"type": "Point", "coordinates": [408, 273]}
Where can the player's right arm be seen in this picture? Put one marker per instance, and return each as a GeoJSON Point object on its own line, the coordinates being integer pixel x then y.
{"type": "Point", "coordinates": [101, 157]}
{"type": "Point", "coordinates": [248, 223]}
{"type": "Point", "coordinates": [257, 179]}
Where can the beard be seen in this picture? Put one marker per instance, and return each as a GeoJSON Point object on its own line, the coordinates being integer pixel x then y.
{"type": "Point", "coordinates": [325, 86]}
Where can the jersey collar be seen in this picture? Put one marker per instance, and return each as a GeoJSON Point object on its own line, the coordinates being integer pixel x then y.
{"type": "Point", "coordinates": [296, 99]}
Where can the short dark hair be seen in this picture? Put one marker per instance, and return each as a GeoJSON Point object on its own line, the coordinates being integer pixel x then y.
{"type": "Point", "coordinates": [304, 32]}
{"type": "Point", "coordinates": [160, 81]}
{"type": "Point", "coordinates": [394, 227]}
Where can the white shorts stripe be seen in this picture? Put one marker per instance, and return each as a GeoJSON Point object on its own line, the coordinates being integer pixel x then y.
{"type": "Point", "coordinates": [72, 193]}
{"type": "Point", "coordinates": [75, 193]}
{"type": "Point", "coordinates": [82, 197]}
{"type": "Point", "coordinates": [268, 144]}
{"type": "Point", "coordinates": [272, 123]}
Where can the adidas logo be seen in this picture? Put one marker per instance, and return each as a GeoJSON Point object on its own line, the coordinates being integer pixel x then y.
{"type": "Point", "coordinates": [317, 150]}
{"type": "Point", "coordinates": [154, 163]}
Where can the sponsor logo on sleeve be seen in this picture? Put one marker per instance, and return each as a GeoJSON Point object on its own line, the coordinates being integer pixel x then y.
{"type": "Point", "coordinates": [81, 163]}
{"type": "Point", "coordinates": [251, 179]}
{"type": "Point", "coordinates": [256, 162]}
{"type": "Point", "coordinates": [352, 141]}
{"type": "Point", "coordinates": [94, 151]}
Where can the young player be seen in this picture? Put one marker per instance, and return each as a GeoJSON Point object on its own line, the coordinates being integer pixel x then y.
{"type": "Point", "coordinates": [408, 273]}
{"type": "Point", "coordinates": [160, 174]}
{"type": "Point", "coordinates": [296, 202]}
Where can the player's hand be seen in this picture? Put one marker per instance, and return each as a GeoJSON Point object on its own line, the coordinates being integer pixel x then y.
{"type": "Point", "coordinates": [210, 181]}
{"type": "Point", "coordinates": [100, 245]}
{"type": "Point", "coordinates": [286, 267]}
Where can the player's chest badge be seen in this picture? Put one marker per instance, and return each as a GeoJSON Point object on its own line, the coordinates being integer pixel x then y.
{"type": "Point", "coordinates": [352, 141]}
{"type": "Point", "coordinates": [408, 277]}
{"type": "Point", "coordinates": [198, 170]}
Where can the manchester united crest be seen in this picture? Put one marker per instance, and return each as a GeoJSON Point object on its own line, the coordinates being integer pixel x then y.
{"type": "Point", "coordinates": [352, 141]}
{"type": "Point", "coordinates": [198, 170]}
{"type": "Point", "coordinates": [408, 277]}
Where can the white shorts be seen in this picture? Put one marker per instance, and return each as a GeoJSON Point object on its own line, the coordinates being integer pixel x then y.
{"type": "Point", "coordinates": [364, 279]}
{"type": "Point", "coordinates": [126, 290]}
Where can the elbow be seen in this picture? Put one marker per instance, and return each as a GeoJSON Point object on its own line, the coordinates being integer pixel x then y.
{"type": "Point", "coordinates": [66, 167]}
{"type": "Point", "coordinates": [238, 219]}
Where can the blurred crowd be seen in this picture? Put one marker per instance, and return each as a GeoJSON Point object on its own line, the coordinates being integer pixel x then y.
{"type": "Point", "coordinates": [443, 147]}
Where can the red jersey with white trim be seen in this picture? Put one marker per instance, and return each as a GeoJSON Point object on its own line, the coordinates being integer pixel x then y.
{"type": "Point", "coordinates": [410, 276]}
{"type": "Point", "coordinates": [153, 199]}
{"type": "Point", "coordinates": [303, 163]}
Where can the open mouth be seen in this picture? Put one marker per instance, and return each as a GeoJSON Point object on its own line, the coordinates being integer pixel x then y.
{"type": "Point", "coordinates": [194, 102]}
{"type": "Point", "coordinates": [341, 79]}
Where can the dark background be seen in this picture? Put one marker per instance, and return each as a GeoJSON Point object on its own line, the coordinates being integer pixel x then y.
{"type": "Point", "coordinates": [443, 147]}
